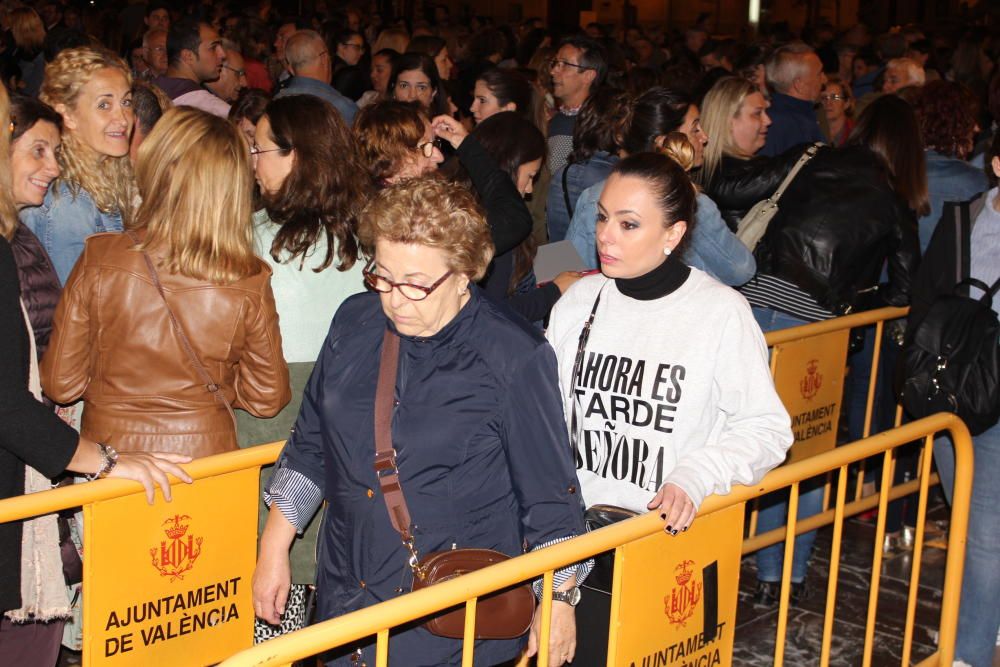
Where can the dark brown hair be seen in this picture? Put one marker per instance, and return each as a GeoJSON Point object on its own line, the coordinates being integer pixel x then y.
{"type": "Point", "coordinates": [388, 133]}
{"type": "Point", "coordinates": [888, 127]}
{"type": "Point", "coordinates": [946, 116]}
{"type": "Point", "coordinates": [327, 186]}
{"type": "Point", "coordinates": [674, 193]}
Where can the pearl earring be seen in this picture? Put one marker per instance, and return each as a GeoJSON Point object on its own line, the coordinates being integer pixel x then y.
{"type": "Point", "coordinates": [666, 251]}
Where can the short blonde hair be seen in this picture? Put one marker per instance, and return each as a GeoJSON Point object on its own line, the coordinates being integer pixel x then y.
{"type": "Point", "coordinates": [193, 172]}
{"type": "Point", "coordinates": [432, 212]}
{"type": "Point", "coordinates": [721, 104]}
{"type": "Point", "coordinates": [8, 210]}
{"type": "Point", "coordinates": [27, 28]}
{"type": "Point", "coordinates": [112, 184]}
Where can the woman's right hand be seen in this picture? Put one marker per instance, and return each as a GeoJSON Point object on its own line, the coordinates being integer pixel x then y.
{"type": "Point", "coordinates": [450, 130]}
{"type": "Point", "coordinates": [151, 469]}
{"type": "Point", "coordinates": [271, 582]}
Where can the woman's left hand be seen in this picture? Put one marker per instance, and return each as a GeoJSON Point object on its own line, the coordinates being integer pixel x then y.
{"type": "Point", "coordinates": [562, 635]}
{"type": "Point", "coordinates": [674, 507]}
{"type": "Point", "coordinates": [450, 130]}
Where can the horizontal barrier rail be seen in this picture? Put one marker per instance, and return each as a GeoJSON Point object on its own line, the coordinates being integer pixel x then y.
{"type": "Point", "coordinates": [76, 495]}
{"type": "Point", "coordinates": [378, 619]}
{"type": "Point", "coordinates": [852, 321]}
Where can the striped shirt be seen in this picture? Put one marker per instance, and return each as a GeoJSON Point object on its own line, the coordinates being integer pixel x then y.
{"type": "Point", "coordinates": [766, 291]}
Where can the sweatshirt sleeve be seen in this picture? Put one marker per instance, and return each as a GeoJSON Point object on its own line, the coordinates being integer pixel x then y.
{"type": "Point", "coordinates": [756, 430]}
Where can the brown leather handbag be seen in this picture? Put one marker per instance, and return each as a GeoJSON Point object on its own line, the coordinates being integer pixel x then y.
{"type": "Point", "coordinates": [505, 614]}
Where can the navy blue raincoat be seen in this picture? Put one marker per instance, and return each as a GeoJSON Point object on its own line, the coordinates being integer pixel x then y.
{"type": "Point", "coordinates": [482, 449]}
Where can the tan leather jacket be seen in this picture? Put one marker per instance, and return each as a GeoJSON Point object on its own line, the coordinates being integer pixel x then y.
{"type": "Point", "coordinates": [113, 345]}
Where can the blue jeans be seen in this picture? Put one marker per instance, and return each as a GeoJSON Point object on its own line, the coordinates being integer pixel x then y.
{"type": "Point", "coordinates": [774, 506]}
{"type": "Point", "coordinates": [979, 617]}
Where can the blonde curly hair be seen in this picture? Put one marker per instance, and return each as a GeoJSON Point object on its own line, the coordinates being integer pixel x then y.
{"type": "Point", "coordinates": [112, 184]}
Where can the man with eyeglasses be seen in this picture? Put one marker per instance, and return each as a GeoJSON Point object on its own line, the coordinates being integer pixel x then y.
{"type": "Point", "coordinates": [194, 56]}
{"type": "Point", "coordinates": [154, 51]}
{"type": "Point", "coordinates": [578, 68]}
{"type": "Point", "coordinates": [233, 78]}
{"type": "Point", "coordinates": [311, 67]}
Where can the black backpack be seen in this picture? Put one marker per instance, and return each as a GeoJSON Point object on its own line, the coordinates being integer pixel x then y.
{"type": "Point", "coordinates": [953, 361]}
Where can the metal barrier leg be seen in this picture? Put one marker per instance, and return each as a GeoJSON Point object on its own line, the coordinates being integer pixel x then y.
{"type": "Point", "coordinates": [918, 550]}
{"type": "Point", "coordinates": [831, 589]}
{"type": "Point", "coordinates": [786, 575]}
{"type": "Point", "coordinates": [883, 503]}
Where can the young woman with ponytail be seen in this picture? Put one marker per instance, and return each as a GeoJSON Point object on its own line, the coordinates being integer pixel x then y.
{"type": "Point", "coordinates": [649, 309]}
{"type": "Point", "coordinates": [665, 121]}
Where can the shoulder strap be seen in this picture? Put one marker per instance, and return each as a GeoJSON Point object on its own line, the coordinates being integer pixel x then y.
{"type": "Point", "coordinates": [385, 454]}
{"type": "Point", "coordinates": [577, 365]}
{"type": "Point", "coordinates": [210, 384]}
{"type": "Point", "coordinates": [807, 155]}
{"type": "Point", "coordinates": [964, 220]}
{"type": "Point", "coordinates": [565, 175]}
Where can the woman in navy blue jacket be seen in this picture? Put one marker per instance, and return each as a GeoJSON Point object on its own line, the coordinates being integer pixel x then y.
{"type": "Point", "coordinates": [478, 428]}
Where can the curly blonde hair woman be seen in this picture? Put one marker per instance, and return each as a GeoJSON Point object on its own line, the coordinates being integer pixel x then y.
{"type": "Point", "coordinates": [92, 90]}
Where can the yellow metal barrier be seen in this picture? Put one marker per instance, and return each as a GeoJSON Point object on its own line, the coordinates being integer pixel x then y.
{"type": "Point", "coordinates": [378, 620]}
{"type": "Point", "coordinates": [163, 583]}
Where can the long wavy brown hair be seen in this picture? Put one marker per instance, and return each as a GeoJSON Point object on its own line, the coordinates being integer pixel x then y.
{"type": "Point", "coordinates": [327, 187]}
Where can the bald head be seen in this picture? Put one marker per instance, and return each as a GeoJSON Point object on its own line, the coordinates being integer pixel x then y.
{"type": "Point", "coordinates": [307, 56]}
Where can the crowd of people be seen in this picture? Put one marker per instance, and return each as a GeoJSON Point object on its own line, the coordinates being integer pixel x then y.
{"type": "Point", "coordinates": [221, 224]}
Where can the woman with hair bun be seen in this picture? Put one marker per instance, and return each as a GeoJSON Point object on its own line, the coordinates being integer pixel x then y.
{"type": "Point", "coordinates": [95, 192]}
{"type": "Point", "coordinates": [649, 308]}
{"type": "Point", "coordinates": [661, 120]}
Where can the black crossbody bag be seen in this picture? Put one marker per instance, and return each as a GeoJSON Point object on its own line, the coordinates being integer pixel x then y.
{"type": "Point", "coordinates": [596, 516]}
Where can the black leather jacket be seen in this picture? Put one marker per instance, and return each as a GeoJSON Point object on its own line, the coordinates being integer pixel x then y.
{"type": "Point", "coordinates": [838, 222]}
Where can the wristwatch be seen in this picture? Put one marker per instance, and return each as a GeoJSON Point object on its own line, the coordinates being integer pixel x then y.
{"type": "Point", "coordinates": [109, 459]}
{"type": "Point", "coordinates": [570, 597]}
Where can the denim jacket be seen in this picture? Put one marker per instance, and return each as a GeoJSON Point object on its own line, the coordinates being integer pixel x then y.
{"type": "Point", "coordinates": [64, 221]}
{"type": "Point", "coordinates": [713, 249]}
{"type": "Point", "coordinates": [948, 179]}
{"type": "Point", "coordinates": [580, 176]}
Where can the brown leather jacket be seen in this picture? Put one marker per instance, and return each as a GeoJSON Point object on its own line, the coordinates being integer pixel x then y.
{"type": "Point", "coordinates": [113, 344]}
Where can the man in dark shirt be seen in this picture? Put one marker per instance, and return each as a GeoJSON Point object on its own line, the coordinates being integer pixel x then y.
{"type": "Point", "coordinates": [194, 56]}
{"type": "Point", "coordinates": [795, 73]}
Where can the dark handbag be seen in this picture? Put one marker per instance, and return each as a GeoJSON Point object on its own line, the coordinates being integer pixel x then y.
{"type": "Point", "coordinates": [596, 517]}
{"type": "Point", "coordinates": [505, 614]}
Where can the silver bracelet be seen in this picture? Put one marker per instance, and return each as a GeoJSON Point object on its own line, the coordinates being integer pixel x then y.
{"type": "Point", "coordinates": [109, 459]}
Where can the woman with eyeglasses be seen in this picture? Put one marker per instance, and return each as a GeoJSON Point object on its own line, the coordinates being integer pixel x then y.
{"type": "Point", "coordinates": [474, 418]}
{"type": "Point", "coordinates": [312, 188]}
{"type": "Point", "coordinates": [838, 105]}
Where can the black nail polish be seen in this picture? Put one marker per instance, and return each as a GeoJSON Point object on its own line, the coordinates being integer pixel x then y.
{"type": "Point", "coordinates": [673, 532]}
{"type": "Point", "coordinates": [663, 516]}
{"type": "Point", "coordinates": [670, 529]}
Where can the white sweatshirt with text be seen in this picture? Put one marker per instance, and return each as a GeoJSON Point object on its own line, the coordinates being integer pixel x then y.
{"type": "Point", "coordinates": [676, 390]}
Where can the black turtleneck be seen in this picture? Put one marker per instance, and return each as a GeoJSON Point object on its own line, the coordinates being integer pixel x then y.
{"type": "Point", "coordinates": [661, 281]}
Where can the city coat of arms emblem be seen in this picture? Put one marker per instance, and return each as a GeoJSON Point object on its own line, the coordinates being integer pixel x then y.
{"type": "Point", "coordinates": [680, 605]}
{"type": "Point", "coordinates": [178, 553]}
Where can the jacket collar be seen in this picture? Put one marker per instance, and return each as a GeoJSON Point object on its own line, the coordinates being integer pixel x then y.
{"type": "Point", "coordinates": [453, 330]}
{"type": "Point", "coordinates": [782, 102]}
